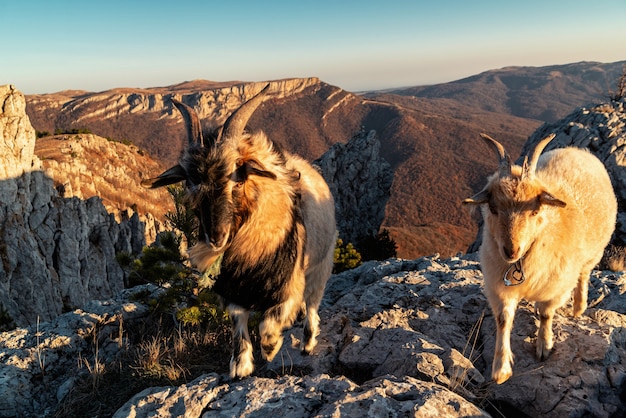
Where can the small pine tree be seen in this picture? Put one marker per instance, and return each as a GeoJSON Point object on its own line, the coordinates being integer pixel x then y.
{"type": "Point", "coordinates": [182, 218]}
{"type": "Point", "coordinates": [159, 263]}
{"type": "Point", "coordinates": [6, 322]}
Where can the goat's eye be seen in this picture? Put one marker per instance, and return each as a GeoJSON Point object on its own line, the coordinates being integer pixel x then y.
{"type": "Point", "coordinates": [493, 209]}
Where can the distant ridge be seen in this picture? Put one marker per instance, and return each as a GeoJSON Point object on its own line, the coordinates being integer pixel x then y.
{"type": "Point", "coordinates": [544, 93]}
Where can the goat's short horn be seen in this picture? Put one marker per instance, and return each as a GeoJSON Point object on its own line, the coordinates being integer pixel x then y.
{"type": "Point", "coordinates": [504, 165]}
{"type": "Point", "coordinates": [236, 123]}
{"type": "Point", "coordinates": [530, 165]}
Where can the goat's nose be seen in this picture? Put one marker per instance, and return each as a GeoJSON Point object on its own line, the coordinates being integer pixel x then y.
{"type": "Point", "coordinates": [508, 251]}
{"type": "Point", "coordinates": [218, 239]}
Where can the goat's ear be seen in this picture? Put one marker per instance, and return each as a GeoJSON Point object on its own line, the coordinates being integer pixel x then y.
{"type": "Point", "coordinates": [478, 199]}
{"type": "Point", "coordinates": [546, 198]}
{"type": "Point", "coordinates": [252, 167]}
{"type": "Point", "coordinates": [171, 176]}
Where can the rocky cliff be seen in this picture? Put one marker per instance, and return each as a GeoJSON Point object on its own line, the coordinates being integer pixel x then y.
{"type": "Point", "coordinates": [86, 165]}
{"type": "Point", "coordinates": [146, 116]}
{"type": "Point", "coordinates": [57, 253]}
{"type": "Point", "coordinates": [360, 181]}
{"type": "Point", "coordinates": [215, 104]}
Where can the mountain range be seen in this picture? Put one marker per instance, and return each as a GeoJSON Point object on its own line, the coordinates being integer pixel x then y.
{"type": "Point", "coordinates": [428, 134]}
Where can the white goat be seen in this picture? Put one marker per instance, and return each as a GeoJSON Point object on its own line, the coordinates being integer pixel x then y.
{"type": "Point", "coordinates": [271, 216]}
{"type": "Point", "coordinates": [546, 224]}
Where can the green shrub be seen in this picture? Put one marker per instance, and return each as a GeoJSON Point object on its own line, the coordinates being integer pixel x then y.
{"type": "Point", "coordinates": [346, 257]}
{"type": "Point", "coordinates": [620, 91]}
{"type": "Point", "coordinates": [162, 264]}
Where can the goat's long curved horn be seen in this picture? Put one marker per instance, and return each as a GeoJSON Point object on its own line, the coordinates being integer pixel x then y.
{"type": "Point", "coordinates": [504, 165]}
{"type": "Point", "coordinates": [192, 123]}
{"type": "Point", "coordinates": [530, 166]}
{"type": "Point", "coordinates": [236, 123]}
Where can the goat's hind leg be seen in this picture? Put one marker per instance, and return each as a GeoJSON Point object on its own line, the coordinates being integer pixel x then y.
{"type": "Point", "coordinates": [580, 293]}
{"type": "Point", "coordinates": [242, 360]}
{"type": "Point", "coordinates": [545, 337]}
{"type": "Point", "coordinates": [310, 330]}
{"type": "Point", "coordinates": [314, 291]}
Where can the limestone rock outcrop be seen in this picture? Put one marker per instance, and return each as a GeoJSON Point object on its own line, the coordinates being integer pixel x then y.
{"type": "Point", "coordinates": [412, 337]}
{"type": "Point", "coordinates": [57, 253]}
{"type": "Point", "coordinates": [214, 102]}
{"type": "Point", "coordinates": [41, 363]}
{"type": "Point", "coordinates": [360, 181]}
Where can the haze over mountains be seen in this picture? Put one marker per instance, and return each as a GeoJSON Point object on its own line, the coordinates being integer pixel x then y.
{"type": "Point", "coordinates": [428, 134]}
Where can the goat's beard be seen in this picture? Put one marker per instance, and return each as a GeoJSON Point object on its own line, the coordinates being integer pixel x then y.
{"type": "Point", "coordinates": [202, 256]}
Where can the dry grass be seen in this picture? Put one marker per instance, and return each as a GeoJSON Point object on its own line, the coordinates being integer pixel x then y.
{"type": "Point", "coordinates": [153, 352]}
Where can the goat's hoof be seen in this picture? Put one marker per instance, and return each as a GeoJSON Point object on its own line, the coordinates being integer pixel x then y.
{"type": "Point", "coordinates": [579, 311]}
{"type": "Point", "coordinates": [502, 375]}
{"type": "Point", "coordinates": [240, 368]}
{"type": "Point", "coordinates": [269, 350]}
{"type": "Point", "coordinates": [308, 347]}
{"type": "Point", "coordinates": [544, 348]}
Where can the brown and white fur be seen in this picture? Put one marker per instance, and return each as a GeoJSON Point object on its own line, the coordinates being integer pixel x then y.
{"type": "Point", "coordinates": [272, 217]}
{"type": "Point", "coordinates": [548, 221]}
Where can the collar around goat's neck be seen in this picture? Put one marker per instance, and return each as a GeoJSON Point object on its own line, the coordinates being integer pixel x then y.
{"type": "Point", "coordinates": [514, 275]}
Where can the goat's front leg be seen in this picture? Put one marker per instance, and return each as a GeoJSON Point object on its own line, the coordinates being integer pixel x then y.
{"type": "Point", "coordinates": [275, 320]}
{"type": "Point", "coordinates": [242, 361]}
{"type": "Point", "coordinates": [504, 312]}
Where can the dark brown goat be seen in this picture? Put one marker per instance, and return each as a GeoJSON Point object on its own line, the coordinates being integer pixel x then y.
{"type": "Point", "coordinates": [271, 216]}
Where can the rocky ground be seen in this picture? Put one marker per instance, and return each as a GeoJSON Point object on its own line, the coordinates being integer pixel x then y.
{"type": "Point", "coordinates": [398, 338]}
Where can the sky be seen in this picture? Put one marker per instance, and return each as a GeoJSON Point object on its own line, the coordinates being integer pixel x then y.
{"type": "Point", "coordinates": [52, 45]}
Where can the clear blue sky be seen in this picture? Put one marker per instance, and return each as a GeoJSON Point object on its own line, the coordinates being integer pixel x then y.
{"type": "Point", "coordinates": [48, 46]}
